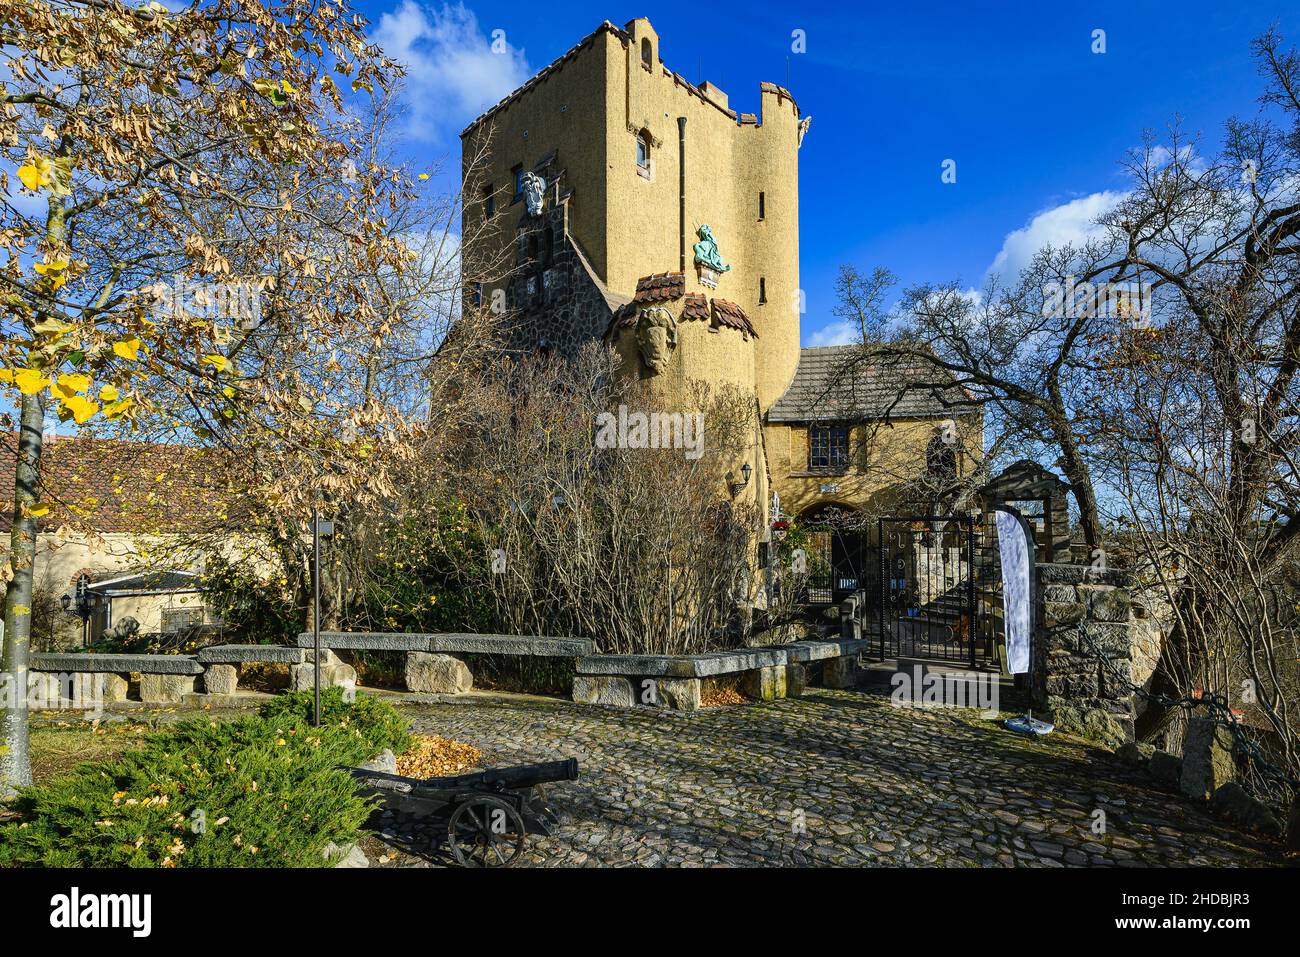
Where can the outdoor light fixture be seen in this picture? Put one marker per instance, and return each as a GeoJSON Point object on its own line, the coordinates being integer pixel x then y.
{"type": "Point", "coordinates": [745, 471]}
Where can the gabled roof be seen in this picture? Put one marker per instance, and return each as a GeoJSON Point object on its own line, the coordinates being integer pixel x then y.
{"type": "Point", "coordinates": [114, 485]}
{"type": "Point", "coordinates": [834, 383]}
{"type": "Point", "coordinates": [149, 582]}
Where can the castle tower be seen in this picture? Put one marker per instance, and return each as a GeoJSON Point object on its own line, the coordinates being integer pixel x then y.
{"type": "Point", "coordinates": [635, 161]}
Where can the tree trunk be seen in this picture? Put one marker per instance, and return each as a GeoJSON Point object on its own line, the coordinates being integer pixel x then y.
{"type": "Point", "coordinates": [1076, 471]}
{"type": "Point", "coordinates": [15, 761]}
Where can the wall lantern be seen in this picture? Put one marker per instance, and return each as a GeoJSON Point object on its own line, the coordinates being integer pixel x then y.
{"type": "Point", "coordinates": [745, 471]}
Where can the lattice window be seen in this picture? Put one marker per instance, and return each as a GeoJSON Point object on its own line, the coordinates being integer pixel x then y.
{"type": "Point", "coordinates": [828, 447]}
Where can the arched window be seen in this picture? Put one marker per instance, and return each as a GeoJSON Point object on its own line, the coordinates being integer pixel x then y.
{"type": "Point", "coordinates": [643, 150]}
{"type": "Point", "coordinates": [647, 53]}
{"type": "Point", "coordinates": [941, 458]}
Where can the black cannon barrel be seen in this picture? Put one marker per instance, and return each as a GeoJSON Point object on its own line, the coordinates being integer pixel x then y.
{"type": "Point", "coordinates": [520, 776]}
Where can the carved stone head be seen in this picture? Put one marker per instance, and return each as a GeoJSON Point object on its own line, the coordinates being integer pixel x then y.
{"type": "Point", "coordinates": [656, 337]}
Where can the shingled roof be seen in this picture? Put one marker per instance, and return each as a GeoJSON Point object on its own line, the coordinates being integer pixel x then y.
{"type": "Point", "coordinates": [661, 287]}
{"type": "Point", "coordinates": [832, 383]}
{"type": "Point", "coordinates": [695, 307]}
{"type": "Point", "coordinates": [726, 313]}
{"type": "Point", "coordinates": [112, 485]}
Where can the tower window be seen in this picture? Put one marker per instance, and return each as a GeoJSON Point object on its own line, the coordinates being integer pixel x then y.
{"type": "Point", "coordinates": [762, 205]}
{"type": "Point", "coordinates": [517, 174]}
{"type": "Point", "coordinates": [478, 294]}
{"type": "Point", "coordinates": [647, 54]}
{"type": "Point", "coordinates": [489, 202]}
{"type": "Point", "coordinates": [762, 289]}
{"type": "Point", "coordinates": [643, 150]}
{"type": "Point", "coordinates": [828, 447]}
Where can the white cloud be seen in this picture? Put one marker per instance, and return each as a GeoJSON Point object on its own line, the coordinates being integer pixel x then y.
{"type": "Point", "coordinates": [841, 333]}
{"type": "Point", "coordinates": [1073, 222]}
{"type": "Point", "coordinates": [454, 69]}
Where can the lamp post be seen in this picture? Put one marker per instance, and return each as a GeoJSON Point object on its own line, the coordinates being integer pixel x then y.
{"type": "Point", "coordinates": [318, 528]}
{"type": "Point", "coordinates": [80, 606]}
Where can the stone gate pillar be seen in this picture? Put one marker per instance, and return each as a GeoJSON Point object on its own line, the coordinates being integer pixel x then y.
{"type": "Point", "coordinates": [1081, 666]}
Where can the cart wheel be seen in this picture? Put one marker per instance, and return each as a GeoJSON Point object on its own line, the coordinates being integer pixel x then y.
{"type": "Point", "coordinates": [485, 832]}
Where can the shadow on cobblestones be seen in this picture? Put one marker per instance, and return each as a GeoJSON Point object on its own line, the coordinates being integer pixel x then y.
{"type": "Point", "coordinates": [836, 777]}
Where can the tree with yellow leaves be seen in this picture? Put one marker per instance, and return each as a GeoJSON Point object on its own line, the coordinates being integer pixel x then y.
{"type": "Point", "coordinates": [197, 245]}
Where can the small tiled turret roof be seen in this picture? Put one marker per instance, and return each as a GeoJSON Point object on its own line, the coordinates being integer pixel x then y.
{"type": "Point", "coordinates": [695, 307]}
{"type": "Point", "coordinates": [671, 286]}
{"type": "Point", "coordinates": [660, 287]}
{"type": "Point", "coordinates": [731, 315]}
{"type": "Point", "coordinates": [838, 383]}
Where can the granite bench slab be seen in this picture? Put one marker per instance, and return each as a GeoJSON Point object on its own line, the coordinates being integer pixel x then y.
{"type": "Point", "coordinates": [235, 654]}
{"type": "Point", "coordinates": [117, 664]}
{"type": "Point", "coordinates": [452, 643]}
{"type": "Point", "coordinates": [802, 652]}
{"type": "Point", "coordinates": [683, 666]}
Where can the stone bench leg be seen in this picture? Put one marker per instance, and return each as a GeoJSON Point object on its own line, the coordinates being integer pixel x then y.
{"type": "Point", "coordinates": [165, 689]}
{"type": "Point", "coordinates": [603, 689]}
{"type": "Point", "coordinates": [764, 684]}
{"type": "Point", "coordinates": [840, 672]}
{"type": "Point", "coordinates": [82, 689]}
{"type": "Point", "coordinates": [221, 679]}
{"type": "Point", "coordinates": [796, 680]}
{"type": "Point", "coordinates": [437, 674]}
{"type": "Point", "coordinates": [680, 694]}
{"type": "Point", "coordinates": [334, 673]}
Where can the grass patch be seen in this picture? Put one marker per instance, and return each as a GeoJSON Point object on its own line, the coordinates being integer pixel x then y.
{"type": "Point", "coordinates": [59, 747]}
{"type": "Point", "coordinates": [260, 790]}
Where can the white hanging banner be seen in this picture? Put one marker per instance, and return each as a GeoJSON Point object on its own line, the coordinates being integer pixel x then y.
{"type": "Point", "coordinates": [1015, 548]}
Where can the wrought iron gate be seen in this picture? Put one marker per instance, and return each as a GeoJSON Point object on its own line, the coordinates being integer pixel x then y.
{"type": "Point", "coordinates": [930, 570]}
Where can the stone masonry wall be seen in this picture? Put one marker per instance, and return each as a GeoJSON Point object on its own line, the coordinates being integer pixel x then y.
{"type": "Point", "coordinates": [555, 301]}
{"type": "Point", "coordinates": [1082, 663]}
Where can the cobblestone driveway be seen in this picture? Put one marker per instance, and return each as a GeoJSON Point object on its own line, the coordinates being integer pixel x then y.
{"type": "Point", "coordinates": [837, 777]}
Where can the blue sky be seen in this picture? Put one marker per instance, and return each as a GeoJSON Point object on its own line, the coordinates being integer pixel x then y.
{"type": "Point", "coordinates": [1012, 92]}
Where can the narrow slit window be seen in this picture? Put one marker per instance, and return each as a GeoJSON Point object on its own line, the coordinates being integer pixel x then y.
{"type": "Point", "coordinates": [762, 289]}
{"type": "Point", "coordinates": [762, 205]}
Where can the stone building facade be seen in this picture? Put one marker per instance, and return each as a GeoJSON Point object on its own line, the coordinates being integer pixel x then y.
{"type": "Point", "coordinates": [610, 198]}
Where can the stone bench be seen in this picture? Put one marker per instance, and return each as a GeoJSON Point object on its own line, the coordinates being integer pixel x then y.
{"type": "Point", "coordinates": [676, 681]}
{"type": "Point", "coordinates": [164, 679]}
{"type": "Point", "coordinates": [431, 665]}
{"type": "Point", "coordinates": [222, 663]}
{"type": "Point", "coordinates": [837, 656]}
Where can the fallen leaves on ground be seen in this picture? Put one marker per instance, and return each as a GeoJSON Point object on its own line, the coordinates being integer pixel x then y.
{"type": "Point", "coordinates": [713, 695]}
{"type": "Point", "coordinates": [433, 757]}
